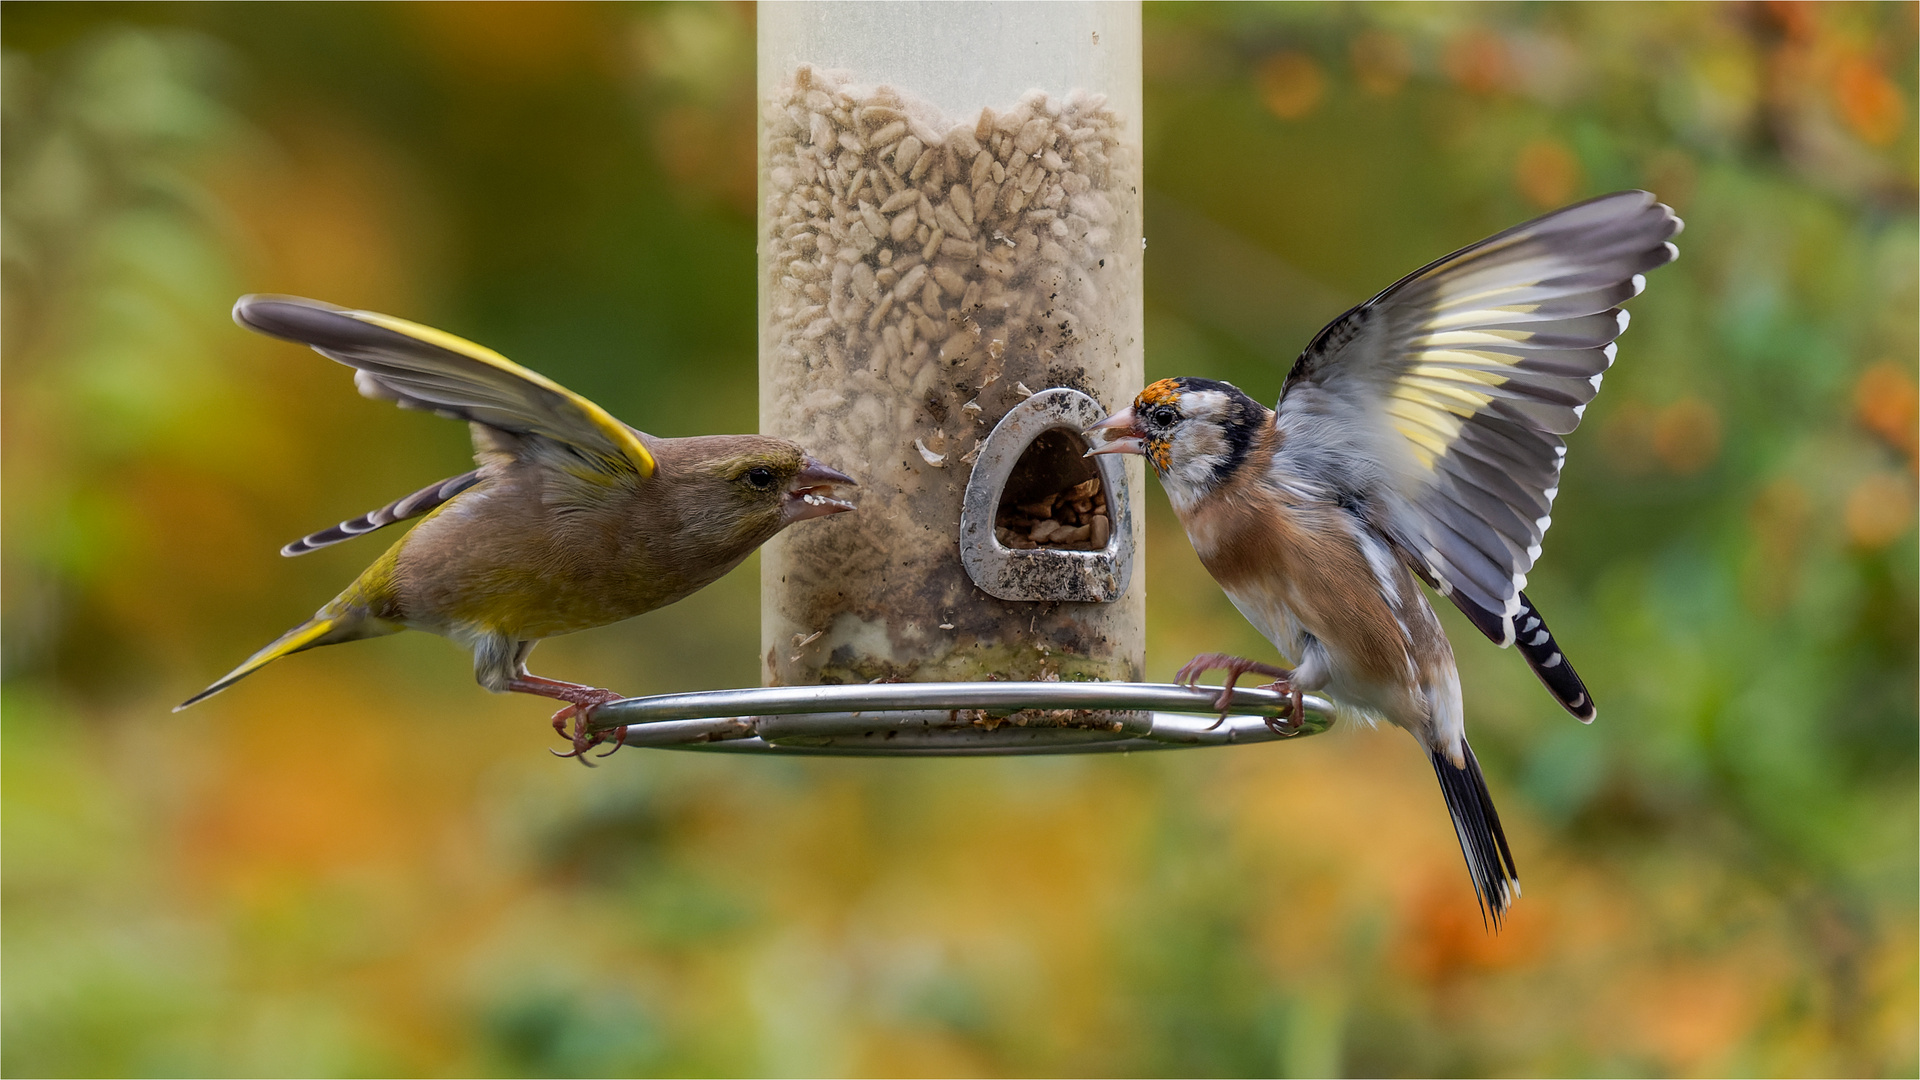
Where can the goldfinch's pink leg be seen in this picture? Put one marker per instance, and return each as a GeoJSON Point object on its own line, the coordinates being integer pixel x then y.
{"type": "Point", "coordinates": [1235, 666]}
{"type": "Point", "coordinates": [1296, 716]}
{"type": "Point", "coordinates": [581, 702]}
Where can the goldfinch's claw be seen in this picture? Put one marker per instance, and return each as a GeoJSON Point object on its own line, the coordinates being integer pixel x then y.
{"type": "Point", "coordinates": [1234, 666]}
{"type": "Point", "coordinates": [1223, 704]}
{"type": "Point", "coordinates": [1295, 720]}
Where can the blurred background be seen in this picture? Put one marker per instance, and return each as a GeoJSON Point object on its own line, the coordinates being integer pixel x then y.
{"type": "Point", "coordinates": [358, 862]}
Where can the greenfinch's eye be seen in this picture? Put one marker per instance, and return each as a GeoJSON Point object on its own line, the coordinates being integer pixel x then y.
{"type": "Point", "coordinates": [1163, 416]}
{"type": "Point", "coordinates": [760, 478]}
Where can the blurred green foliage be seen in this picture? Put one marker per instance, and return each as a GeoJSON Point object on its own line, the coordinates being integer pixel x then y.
{"type": "Point", "coordinates": [358, 863]}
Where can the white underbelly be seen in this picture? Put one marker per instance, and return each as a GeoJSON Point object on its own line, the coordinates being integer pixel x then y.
{"type": "Point", "coordinates": [1322, 667]}
{"type": "Point", "coordinates": [1275, 621]}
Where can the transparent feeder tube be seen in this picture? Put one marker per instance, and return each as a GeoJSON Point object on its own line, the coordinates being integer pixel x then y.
{"type": "Point", "coordinates": [950, 225]}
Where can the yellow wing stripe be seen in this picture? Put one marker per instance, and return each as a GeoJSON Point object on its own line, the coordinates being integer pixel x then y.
{"type": "Point", "coordinates": [1479, 336]}
{"type": "Point", "coordinates": [1476, 316]}
{"type": "Point", "coordinates": [1436, 394]}
{"type": "Point", "coordinates": [1428, 430]}
{"type": "Point", "coordinates": [1449, 372]}
{"type": "Point", "coordinates": [1465, 282]}
{"type": "Point", "coordinates": [1476, 360]}
{"type": "Point", "coordinates": [1431, 402]}
{"type": "Point", "coordinates": [616, 432]}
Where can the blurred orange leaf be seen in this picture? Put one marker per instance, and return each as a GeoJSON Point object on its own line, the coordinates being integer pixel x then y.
{"type": "Point", "coordinates": [1888, 404]}
{"type": "Point", "coordinates": [1291, 84]}
{"type": "Point", "coordinates": [1686, 436]}
{"type": "Point", "coordinates": [1477, 60]}
{"type": "Point", "coordinates": [1546, 173]}
{"type": "Point", "coordinates": [1381, 61]}
{"type": "Point", "coordinates": [705, 151]}
{"type": "Point", "coordinates": [1671, 174]}
{"type": "Point", "coordinates": [1798, 18]}
{"type": "Point", "coordinates": [1692, 1016]}
{"type": "Point", "coordinates": [1448, 937]}
{"type": "Point", "coordinates": [1869, 101]}
{"type": "Point", "coordinates": [1879, 509]}
{"type": "Point", "coordinates": [1628, 435]}
{"type": "Point", "coordinates": [510, 42]}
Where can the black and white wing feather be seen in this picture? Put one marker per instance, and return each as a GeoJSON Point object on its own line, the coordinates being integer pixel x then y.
{"type": "Point", "coordinates": [1440, 403]}
{"type": "Point", "coordinates": [409, 506]}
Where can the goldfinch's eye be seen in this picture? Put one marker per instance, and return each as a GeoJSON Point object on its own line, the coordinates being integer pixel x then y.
{"type": "Point", "coordinates": [759, 477]}
{"type": "Point", "coordinates": [1163, 416]}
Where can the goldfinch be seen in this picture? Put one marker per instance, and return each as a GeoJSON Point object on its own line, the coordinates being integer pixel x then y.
{"type": "Point", "coordinates": [573, 519]}
{"type": "Point", "coordinates": [1417, 439]}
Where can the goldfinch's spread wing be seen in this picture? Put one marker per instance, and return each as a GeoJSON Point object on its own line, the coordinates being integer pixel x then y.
{"type": "Point", "coordinates": [418, 367]}
{"type": "Point", "coordinates": [1441, 402]}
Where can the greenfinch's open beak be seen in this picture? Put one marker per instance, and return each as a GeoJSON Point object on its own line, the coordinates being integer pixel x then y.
{"type": "Point", "coordinates": [809, 496]}
{"type": "Point", "coordinates": [1120, 433]}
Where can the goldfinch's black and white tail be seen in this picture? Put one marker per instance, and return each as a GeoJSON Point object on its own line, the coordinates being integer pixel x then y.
{"type": "Point", "coordinates": [1495, 880]}
{"type": "Point", "coordinates": [1528, 632]}
{"type": "Point", "coordinates": [1536, 643]}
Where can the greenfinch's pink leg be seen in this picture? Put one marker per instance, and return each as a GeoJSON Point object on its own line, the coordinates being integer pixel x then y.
{"type": "Point", "coordinates": [581, 702]}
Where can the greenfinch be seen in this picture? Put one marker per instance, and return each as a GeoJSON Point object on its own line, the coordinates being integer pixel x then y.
{"type": "Point", "coordinates": [573, 519]}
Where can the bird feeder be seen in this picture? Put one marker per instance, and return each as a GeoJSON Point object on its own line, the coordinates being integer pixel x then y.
{"type": "Point", "coordinates": [950, 291]}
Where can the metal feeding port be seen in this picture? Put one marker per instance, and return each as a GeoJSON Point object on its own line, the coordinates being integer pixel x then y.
{"type": "Point", "coordinates": [1040, 520]}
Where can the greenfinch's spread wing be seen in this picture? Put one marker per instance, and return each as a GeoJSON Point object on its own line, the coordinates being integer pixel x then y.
{"type": "Point", "coordinates": [1446, 396]}
{"type": "Point", "coordinates": [418, 367]}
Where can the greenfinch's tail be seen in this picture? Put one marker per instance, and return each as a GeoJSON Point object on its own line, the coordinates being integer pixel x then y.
{"type": "Point", "coordinates": [362, 611]}
{"type": "Point", "coordinates": [324, 628]}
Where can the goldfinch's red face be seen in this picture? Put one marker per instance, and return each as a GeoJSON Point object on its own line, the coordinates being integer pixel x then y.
{"type": "Point", "coordinates": [1157, 413]}
{"type": "Point", "coordinates": [1194, 431]}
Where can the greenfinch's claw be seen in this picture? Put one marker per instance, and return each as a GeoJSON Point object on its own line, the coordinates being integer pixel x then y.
{"type": "Point", "coordinates": [618, 739]}
{"type": "Point", "coordinates": [581, 703]}
{"type": "Point", "coordinates": [582, 735]}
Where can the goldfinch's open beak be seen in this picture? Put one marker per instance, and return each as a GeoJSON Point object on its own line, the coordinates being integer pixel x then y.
{"type": "Point", "coordinates": [1120, 433]}
{"type": "Point", "coordinates": [809, 495]}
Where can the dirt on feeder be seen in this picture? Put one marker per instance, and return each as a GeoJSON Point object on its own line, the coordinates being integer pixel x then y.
{"type": "Point", "coordinates": [919, 276]}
